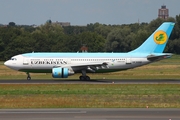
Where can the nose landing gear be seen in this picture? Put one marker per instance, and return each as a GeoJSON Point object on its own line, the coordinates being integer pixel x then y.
{"type": "Point", "coordinates": [28, 76]}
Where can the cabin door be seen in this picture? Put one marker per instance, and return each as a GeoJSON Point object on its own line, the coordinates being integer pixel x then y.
{"type": "Point", "coordinates": [26, 61]}
{"type": "Point", "coordinates": [128, 61]}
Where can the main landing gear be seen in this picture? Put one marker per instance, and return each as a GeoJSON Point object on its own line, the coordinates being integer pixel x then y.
{"type": "Point", "coordinates": [83, 76]}
{"type": "Point", "coordinates": [28, 76]}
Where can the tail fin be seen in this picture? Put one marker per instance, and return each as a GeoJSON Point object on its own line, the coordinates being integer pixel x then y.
{"type": "Point", "coordinates": [157, 41]}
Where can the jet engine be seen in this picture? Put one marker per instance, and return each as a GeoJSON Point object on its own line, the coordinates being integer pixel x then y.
{"type": "Point", "coordinates": [61, 72]}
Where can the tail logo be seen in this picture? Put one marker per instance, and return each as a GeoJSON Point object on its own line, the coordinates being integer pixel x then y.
{"type": "Point", "coordinates": [160, 37]}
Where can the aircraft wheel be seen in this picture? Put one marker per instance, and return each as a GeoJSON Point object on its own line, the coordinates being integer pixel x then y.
{"type": "Point", "coordinates": [28, 78]}
{"type": "Point", "coordinates": [87, 78]}
{"type": "Point", "coordinates": [82, 78]}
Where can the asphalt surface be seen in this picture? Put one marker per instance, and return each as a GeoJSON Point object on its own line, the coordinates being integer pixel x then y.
{"type": "Point", "coordinates": [90, 114]}
{"type": "Point", "coordinates": [67, 81]}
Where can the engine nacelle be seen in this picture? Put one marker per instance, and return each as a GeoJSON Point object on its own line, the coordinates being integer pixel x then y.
{"type": "Point", "coordinates": [61, 72]}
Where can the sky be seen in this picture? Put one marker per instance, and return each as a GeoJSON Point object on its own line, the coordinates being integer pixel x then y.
{"type": "Point", "coordinates": [83, 12]}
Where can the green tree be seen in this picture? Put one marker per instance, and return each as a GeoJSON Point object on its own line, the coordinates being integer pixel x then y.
{"type": "Point", "coordinates": [12, 24]}
{"type": "Point", "coordinates": [103, 30]}
{"type": "Point", "coordinates": [174, 46]}
{"type": "Point", "coordinates": [176, 31]}
{"type": "Point", "coordinates": [94, 42]}
{"type": "Point", "coordinates": [116, 41]}
{"type": "Point", "coordinates": [154, 24]}
{"type": "Point", "coordinates": [140, 37]}
{"type": "Point", "coordinates": [46, 37]}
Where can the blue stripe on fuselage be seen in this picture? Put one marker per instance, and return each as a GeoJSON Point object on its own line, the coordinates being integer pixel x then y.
{"type": "Point", "coordinates": [84, 55]}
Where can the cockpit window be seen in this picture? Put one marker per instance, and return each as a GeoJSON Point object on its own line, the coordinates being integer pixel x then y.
{"type": "Point", "coordinates": [13, 59]}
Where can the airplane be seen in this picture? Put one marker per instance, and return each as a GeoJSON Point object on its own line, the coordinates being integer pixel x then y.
{"type": "Point", "coordinates": [62, 65]}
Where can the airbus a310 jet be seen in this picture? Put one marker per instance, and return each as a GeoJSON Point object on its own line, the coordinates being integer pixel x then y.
{"type": "Point", "coordinates": [62, 65]}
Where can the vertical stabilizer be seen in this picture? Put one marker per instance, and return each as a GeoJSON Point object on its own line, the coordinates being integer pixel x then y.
{"type": "Point", "coordinates": [157, 41]}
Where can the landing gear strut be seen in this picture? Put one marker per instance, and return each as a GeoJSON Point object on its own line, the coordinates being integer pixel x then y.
{"type": "Point", "coordinates": [83, 76]}
{"type": "Point", "coordinates": [28, 76]}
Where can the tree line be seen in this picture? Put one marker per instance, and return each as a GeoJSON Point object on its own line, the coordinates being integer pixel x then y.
{"type": "Point", "coordinates": [51, 37]}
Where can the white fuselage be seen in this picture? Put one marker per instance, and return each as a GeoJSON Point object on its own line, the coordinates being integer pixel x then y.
{"type": "Point", "coordinates": [46, 63]}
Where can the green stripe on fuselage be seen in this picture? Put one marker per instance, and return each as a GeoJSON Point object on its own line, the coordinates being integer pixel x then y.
{"type": "Point", "coordinates": [50, 70]}
{"type": "Point", "coordinates": [36, 70]}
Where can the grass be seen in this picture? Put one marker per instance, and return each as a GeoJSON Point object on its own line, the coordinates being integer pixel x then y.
{"type": "Point", "coordinates": [165, 69]}
{"type": "Point", "coordinates": [86, 96]}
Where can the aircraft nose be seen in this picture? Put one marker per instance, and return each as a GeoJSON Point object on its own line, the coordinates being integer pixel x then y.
{"type": "Point", "coordinates": [11, 65]}
{"type": "Point", "coordinates": [6, 63]}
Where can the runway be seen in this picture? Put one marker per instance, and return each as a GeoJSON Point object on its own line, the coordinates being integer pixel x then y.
{"type": "Point", "coordinates": [90, 114]}
{"type": "Point", "coordinates": [70, 81]}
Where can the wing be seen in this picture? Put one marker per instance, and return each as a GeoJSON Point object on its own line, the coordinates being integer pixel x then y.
{"type": "Point", "coordinates": [92, 67]}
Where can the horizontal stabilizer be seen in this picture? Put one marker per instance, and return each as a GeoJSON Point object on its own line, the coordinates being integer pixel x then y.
{"type": "Point", "coordinates": [158, 57]}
